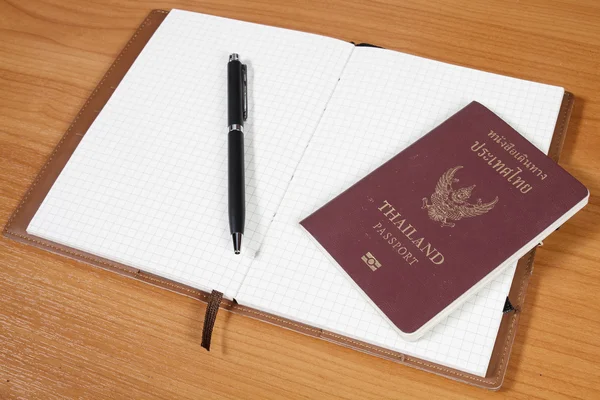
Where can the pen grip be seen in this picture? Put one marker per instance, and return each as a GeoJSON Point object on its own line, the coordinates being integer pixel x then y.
{"type": "Point", "coordinates": [237, 196]}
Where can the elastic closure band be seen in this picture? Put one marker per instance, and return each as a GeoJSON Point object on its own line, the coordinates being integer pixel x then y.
{"type": "Point", "coordinates": [212, 308]}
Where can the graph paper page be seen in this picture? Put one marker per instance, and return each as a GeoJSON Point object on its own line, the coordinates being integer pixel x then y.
{"type": "Point", "coordinates": [147, 186]}
{"type": "Point", "coordinates": [384, 102]}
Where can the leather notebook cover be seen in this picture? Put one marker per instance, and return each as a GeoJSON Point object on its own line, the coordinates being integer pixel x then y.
{"type": "Point", "coordinates": [442, 216]}
{"type": "Point", "coordinates": [17, 225]}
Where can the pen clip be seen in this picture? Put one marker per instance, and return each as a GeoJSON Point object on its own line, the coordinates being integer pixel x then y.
{"type": "Point", "coordinates": [245, 90]}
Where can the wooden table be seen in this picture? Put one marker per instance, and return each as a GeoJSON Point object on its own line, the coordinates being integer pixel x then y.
{"type": "Point", "coordinates": [70, 330]}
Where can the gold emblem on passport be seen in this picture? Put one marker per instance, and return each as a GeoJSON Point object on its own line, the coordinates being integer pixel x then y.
{"type": "Point", "coordinates": [371, 261]}
{"type": "Point", "coordinates": [449, 204]}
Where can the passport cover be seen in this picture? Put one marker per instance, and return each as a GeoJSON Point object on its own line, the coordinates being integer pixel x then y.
{"type": "Point", "coordinates": [16, 229]}
{"type": "Point", "coordinates": [421, 232]}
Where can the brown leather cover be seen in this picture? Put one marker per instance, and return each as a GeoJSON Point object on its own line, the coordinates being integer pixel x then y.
{"type": "Point", "coordinates": [17, 225]}
{"type": "Point", "coordinates": [436, 219]}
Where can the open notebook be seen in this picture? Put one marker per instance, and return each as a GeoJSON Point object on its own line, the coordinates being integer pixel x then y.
{"type": "Point", "coordinates": [146, 186]}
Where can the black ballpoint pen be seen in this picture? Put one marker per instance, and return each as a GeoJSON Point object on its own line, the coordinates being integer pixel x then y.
{"type": "Point", "coordinates": [237, 104]}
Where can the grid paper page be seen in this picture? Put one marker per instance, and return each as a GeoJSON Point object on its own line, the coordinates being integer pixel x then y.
{"type": "Point", "coordinates": [147, 186]}
{"type": "Point", "coordinates": [384, 102]}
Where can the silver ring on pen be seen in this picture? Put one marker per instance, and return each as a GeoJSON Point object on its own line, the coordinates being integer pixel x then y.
{"type": "Point", "coordinates": [236, 127]}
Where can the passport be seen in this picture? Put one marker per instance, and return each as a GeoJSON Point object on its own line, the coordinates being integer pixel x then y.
{"type": "Point", "coordinates": [433, 225]}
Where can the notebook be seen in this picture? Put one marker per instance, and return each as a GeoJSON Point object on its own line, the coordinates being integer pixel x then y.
{"type": "Point", "coordinates": [143, 193]}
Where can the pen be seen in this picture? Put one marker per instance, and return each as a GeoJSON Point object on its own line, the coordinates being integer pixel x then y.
{"type": "Point", "coordinates": [237, 104]}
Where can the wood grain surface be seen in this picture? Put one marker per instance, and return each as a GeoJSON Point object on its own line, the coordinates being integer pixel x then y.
{"type": "Point", "coordinates": [69, 330]}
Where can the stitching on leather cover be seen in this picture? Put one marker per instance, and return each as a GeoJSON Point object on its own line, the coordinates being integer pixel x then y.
{"type": "Point", "coordinates": [283, 321]}
{"type": "Point", "coordinates": [395, 354]}
{"type": "Point", "coordinates": [138, 275]}
{"type": "Point", "coordinates": [503, 359]}
{"type": "Point", "coordinates": [57, 148]}
{"type": "Point", "coordinates": [400, 356]}
{"type": "Point", "coordinates": [55, 151]}
{"type": "Point", "coordinates": [527, 271]}
{"type": "Point", "coordinates": [69, 130]}
{"type": "Point", "coordinates": [561, 130]}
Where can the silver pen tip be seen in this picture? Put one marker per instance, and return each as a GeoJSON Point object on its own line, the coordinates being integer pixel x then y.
{"type": "Point", "coordinates": [234, 57]}
{"type": "Point", "coordinates": [237, 242]}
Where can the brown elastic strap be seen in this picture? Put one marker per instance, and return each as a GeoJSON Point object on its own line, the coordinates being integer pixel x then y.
{"type": "Point", "coordinates": [212, 308]}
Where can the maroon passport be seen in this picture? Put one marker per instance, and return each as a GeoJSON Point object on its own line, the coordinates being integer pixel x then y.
{"type": "Point", "coordinates": [437, 222]}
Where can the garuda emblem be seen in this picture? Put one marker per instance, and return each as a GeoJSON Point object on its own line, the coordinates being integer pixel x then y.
{"type": "Point", "coordinates": [449, 204]}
